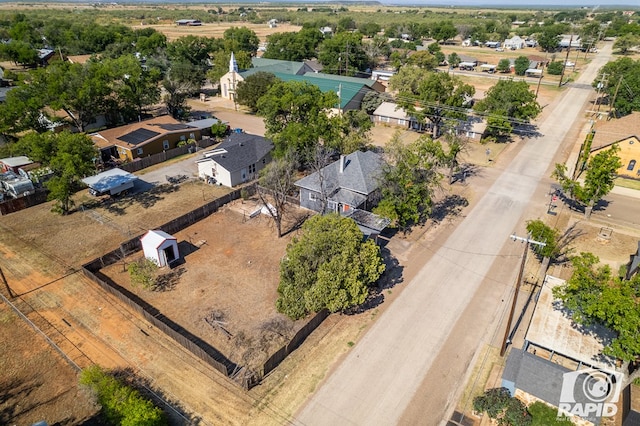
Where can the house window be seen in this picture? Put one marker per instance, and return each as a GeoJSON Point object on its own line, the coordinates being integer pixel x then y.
{"type": "Point", "coordinates": [252, 168]}
{"type": "Point", "coordinates": [332, 205]}
{"type": "Point", "coordinates": [313, 196]}
{"type": "Point", "coordinates": [385, 119]}
{"type": "Point", "coordinates": [140, 151]}
{"type": "Point", "coordinates": [632, 165]}
{"type": "Point", "coordinates": [165, 144]}
{"type": "Point", "coordinates": [264, 161]}
{"type": "Point", "coordinates": [192, 135]}
{"type": "Point", "coordinates": [402, 122]}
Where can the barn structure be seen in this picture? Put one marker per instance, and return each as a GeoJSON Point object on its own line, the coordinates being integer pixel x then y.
{"type": "Point", "coordinates": [160, 247]}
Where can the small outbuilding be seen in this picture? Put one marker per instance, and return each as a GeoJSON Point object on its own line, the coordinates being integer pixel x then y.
{"type": "Point", "coordinates": [160, 247]}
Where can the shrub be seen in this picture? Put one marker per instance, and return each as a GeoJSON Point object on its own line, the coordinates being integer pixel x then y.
{"type": "Point", "coordinates": [143, 272]}
{"type": "Point", "coordinates": [121, 404]}
{"type": "Point", "coordinates": [555, 68]}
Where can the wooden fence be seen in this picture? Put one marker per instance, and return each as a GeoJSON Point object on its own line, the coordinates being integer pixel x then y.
{"type": "Point", "coordinates": [21, 203]}
{"type": "Point", "coordinates": [144, 162]}
{"type": "Point", "coordinates": [279, 356]}
{"type": "Point", "coordinates": [194, 344]}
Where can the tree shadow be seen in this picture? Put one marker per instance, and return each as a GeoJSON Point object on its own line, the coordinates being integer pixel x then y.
{"type": "Point", "coordinates": [601, 205]}
{"type": "Point", "coordinates": [466, 171]}
{"type": "Point", "coordinates": [565, 250]}
{"type": "Point", "coordinates": [451, 205]}
{"type": "Point", "coordinates": [527, 130]}
{"type": "Point", "coordinates": [298, 220]}
{"type": "Point", "coordinates": [168, 281]}
{"type": "Point", "coordinates": [14, 390]}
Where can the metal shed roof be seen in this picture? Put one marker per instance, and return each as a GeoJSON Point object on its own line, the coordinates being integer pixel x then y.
{"type": "Point", "coordinates": [106, 180]}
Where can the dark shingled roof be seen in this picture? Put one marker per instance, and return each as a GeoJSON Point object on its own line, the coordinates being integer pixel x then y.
{"type": "Point", "coordinates": [242, 150]}
{"type": "Point", "coordinates": [360, 174]}
{"type": "Point", "coordinates": [543, 379]}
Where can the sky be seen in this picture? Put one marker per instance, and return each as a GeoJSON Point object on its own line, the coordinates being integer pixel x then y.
{"type": "Point", "coordinates": [519, 3]}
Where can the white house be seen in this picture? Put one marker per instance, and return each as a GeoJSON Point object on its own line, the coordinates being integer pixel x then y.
{"type": "Point", "coordinates": [391, 114]}
{"type": "Point", "coordinates": [160, 247]}
{"type": "Point", "coordinates": [514, 43]}
{"type": "Point", "coordinates": [237, 160]}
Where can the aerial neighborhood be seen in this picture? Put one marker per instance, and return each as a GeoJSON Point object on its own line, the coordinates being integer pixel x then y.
{"type": "Point", "coordinates": [319, 214]}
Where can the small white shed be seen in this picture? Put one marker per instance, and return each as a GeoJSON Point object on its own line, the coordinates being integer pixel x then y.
{"type": "Point", "coordinates": [160, 247]}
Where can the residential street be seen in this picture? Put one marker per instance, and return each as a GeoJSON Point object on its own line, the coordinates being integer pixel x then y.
{"type": "Point", "coordinates": [410, 367]}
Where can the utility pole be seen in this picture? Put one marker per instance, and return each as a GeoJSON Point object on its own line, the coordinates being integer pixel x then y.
{"type": "Point", "coordinates": [566, 59]}
{"type": "Point", "coordinates": [615, 94]}
{"type": "Point", "coordinates": [539, 81]}
{"type": "Point", "coordinates": [603, 82]}
{"type": "Point", "coordinates": [528, 240]}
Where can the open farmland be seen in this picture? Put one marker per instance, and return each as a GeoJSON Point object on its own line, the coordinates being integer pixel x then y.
{"type": "Point", "coordinates": [173, 31]}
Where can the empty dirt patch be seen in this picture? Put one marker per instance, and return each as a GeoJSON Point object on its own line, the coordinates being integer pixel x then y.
{"type": "Point", "coordinates": [226, 289]}
{"type": "Point", "coordinates": [100, 225]}
{"type": "Point", "coordinates": [36, 384]}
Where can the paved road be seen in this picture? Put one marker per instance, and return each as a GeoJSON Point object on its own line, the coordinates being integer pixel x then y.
{"type": "Point", "coordinates": [382, 380]}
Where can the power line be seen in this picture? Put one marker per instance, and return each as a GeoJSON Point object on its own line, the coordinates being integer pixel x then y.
{"type": "Point", "coordinates": [507, 333]}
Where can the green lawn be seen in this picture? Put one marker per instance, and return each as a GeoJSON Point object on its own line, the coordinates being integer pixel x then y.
{"type": "Point", "coordinates": [628, 183]}
{"type": "Point", "coordinates": [544, 415]}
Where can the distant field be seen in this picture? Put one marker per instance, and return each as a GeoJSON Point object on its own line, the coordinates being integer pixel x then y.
{"type": "Point", "coordinates": [173, 31]}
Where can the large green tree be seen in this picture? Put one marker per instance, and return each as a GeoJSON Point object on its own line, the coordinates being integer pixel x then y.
{"type": "Point", "coordinates": [343, 54]}
{"type": "Point", "coordinates": [296, 119]}
{"type": "Point", "coordinates": [81, 90]}
{"type": "Point", "coordinates": [329, 266]}
{"type": "Point", "coordinates": [595, 295]}
{"type": "Point", "coordinates": [70, 156]}
{"type": "Point", "coordinates": [626, 42]}
{"type": "Point", "coordinates": [437, 97]}
{"type": "Point", "coordinates": [521, 65]}
{"type": "Point", "coordinates": [253, 87]}
{"type": "Point", "coordinates": [293, 46]}
{"type": "Point", "coordinates": [409, 178]}
{"type": "Point", "coordinates": [508, 101]}
{"type": "Point", "coordinates": [599, 179]}
{"type": "Point", "coordinates": [622, 84]}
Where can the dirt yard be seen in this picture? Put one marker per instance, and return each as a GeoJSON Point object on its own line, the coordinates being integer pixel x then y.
{"type": "Point", "coordinates": [226, 289]}
{"type": "Point", "coordinates": [100, 224]}
{"type": "Point", "coordinates": [36, 383]}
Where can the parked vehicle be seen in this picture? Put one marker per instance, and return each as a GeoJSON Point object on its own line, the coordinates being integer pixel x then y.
{"type": "Point", "coordinates": [16, 186]}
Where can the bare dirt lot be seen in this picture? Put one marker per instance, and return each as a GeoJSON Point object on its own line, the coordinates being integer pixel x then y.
{"type": "Point", "coordinates": [225, 291]}
{"type": "Point", "coordinates": [36, 383]}
{"type": "Point", "coordinates": [101, 224]}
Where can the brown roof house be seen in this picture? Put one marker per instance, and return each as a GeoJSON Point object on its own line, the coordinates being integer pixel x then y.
{"type": "Point", "coordinates": [145, 138]}
{"type": "Point", "coordinates": [625, 133]}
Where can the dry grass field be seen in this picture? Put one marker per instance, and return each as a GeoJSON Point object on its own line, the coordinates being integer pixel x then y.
{"type": "Point", "coordinates": [173, 31]}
